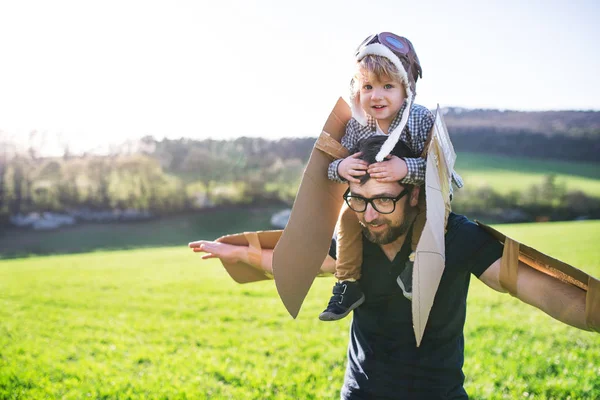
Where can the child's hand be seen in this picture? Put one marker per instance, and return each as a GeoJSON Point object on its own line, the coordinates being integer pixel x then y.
{"type": "Point", "coordinates": [351, 167]}
{"type": "Point", "coordinates": [391, 170]}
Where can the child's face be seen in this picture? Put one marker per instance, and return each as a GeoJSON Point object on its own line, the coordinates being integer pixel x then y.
{"type": "Point", "coordinates": [381, 98]}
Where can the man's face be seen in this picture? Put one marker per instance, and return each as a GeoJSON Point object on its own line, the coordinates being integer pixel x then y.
{"type": "Point", "coordinates": [385, 228]}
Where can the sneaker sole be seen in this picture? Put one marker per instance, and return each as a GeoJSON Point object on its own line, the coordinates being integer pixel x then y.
{"type": "Point", "coordinates": [406, 294]}
{"type": "Point", "coordinates": [329, 316]}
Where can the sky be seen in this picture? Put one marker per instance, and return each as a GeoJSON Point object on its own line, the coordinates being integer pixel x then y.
{"type": "Point", "coordinates": [90, 73]}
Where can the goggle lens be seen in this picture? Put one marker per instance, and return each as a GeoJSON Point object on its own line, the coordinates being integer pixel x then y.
{"type": "Point", "coordinates": [395, 43]}
{"type": "Point", "coordinates": [391, 41]}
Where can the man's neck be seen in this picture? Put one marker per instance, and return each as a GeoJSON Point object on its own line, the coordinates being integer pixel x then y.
{"type": "Point", "coordinates": [392, 249]}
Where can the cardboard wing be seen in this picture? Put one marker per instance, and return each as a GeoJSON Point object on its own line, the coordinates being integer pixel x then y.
{"type": "Point", "coordinates": [306, 238]}
{"type": "Point", "coordinates": [515, 252]}
{"type": "Point", "coordinates": [543, 262]}
{"type": "Point", "coordinates": [242, 272]}
{"type": "Point", "coordinates": [430, 256]}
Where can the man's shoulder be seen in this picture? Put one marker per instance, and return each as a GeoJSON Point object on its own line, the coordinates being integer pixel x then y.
{"type": "Point", "coordinates": [459, 224]}
{"type": "Point", "coordinates": [469, 245]}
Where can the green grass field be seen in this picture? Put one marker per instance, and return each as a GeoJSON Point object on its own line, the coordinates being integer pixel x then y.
{"type": "Point", "coordinates": [504, 174]}
{"type": "Point", "coordinates": [159, 323]}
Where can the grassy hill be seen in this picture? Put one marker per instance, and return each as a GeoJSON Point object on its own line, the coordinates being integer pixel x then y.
{"type": "Point", "coordinates": [160, 323]}
{"type": "Point", "coordinates": [505, 174]}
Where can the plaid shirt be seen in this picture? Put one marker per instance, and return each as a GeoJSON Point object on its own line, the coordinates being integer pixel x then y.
{"type": "Point", "coordinates": [414, 135]}
{"type": "Point", "coordinates": [420, 121]}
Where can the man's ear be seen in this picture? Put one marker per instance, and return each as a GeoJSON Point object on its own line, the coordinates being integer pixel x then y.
{"type": "Point", "coordinates": [414, 195]}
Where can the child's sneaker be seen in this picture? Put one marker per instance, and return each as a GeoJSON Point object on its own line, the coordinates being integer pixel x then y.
{"type": "Point", "coordinates": [404, 280]}
{"type": "Point", "coordinates": [346, 297]}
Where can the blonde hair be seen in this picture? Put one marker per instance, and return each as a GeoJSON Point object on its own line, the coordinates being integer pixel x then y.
{"type": "Point", "coordinates": [377, 66]}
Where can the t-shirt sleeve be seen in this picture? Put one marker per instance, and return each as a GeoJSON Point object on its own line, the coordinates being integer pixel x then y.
{"type": "Point", "coordinates": [486, 256]}
{"type": "Point", "coordinates": [473, 247]}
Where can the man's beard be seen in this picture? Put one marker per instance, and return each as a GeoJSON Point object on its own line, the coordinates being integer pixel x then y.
{"type": "Point", "coordinates": [390, 234]}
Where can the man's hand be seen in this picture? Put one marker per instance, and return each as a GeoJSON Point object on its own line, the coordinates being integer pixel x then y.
{"type": "Point", "coordinates": [392, 169]}
{"type": "Point", "coordinates": [226, 252]}
{"type": "Point", "coordinates": [351, 167]}
{"type": "Point", "coordinates": [230, 253]}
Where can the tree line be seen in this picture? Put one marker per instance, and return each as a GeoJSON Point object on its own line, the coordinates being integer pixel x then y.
{"type": "Point", "coordinates": [491, 140]}
{"type": "Point", "coordinates": [557, 135]}
{"type": "Point", "coordinates": [163, 177]}
{"type": "Point", "coordinates": [170, 176]}
{"type": "Point", "coordinates": [95, 182]}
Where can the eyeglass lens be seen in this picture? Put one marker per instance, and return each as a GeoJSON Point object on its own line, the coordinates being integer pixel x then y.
{"type": "Point", "coordinates": [383, 205]}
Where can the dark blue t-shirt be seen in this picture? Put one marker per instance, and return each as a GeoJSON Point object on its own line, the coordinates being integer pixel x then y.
{"type": "Point", "coordinates": [383, 360]}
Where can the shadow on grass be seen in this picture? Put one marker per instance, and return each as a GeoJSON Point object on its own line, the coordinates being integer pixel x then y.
{"type": "Point", "coordinates": [176, 230]}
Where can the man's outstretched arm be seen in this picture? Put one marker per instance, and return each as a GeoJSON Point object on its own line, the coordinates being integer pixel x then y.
{"type": "Point", "coordinates": [232, 253]}
{"type": "Point", "coordinates": [560, 300]}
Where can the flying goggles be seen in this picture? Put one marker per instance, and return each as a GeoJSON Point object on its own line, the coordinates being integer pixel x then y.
{"type": "Point", "coordinates": [400, 46]}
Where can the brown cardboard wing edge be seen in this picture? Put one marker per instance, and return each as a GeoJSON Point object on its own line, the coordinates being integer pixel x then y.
{"type": "Point", "coordinates": [242, 272]}
{"type": "Point", "coordinates": [306, 239]}
{"type": "Point", "coordinates": [515, 252]}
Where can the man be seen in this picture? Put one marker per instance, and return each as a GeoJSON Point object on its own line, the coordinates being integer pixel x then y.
{"type": "Point", "coordinates": [383, 360]}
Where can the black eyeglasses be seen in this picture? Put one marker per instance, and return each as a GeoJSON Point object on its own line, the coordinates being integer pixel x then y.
{"type": "Point", "coordinates": [383, 205]}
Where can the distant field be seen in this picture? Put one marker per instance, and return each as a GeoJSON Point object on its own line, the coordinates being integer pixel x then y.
{"type": "Point", "coordinates": [160, 323]}
{"type": "Point", "coordinates": [504, 173]}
